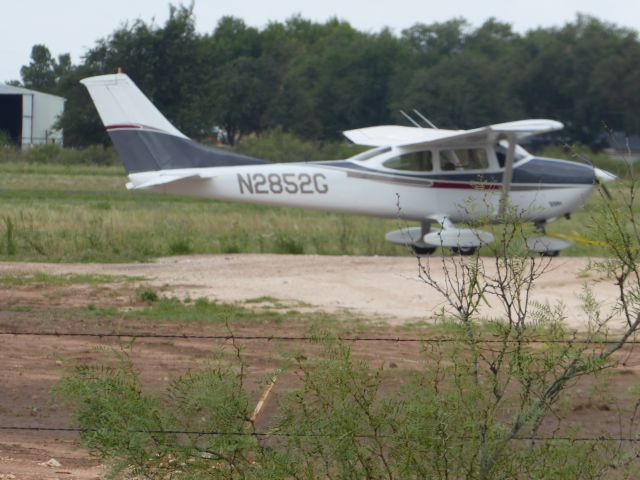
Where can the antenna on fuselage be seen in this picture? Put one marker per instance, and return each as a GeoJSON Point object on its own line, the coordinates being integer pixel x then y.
{"type": "Point", "coordinates": [410, 119]}
{"type": "Point", "coordinates": [425, 119]}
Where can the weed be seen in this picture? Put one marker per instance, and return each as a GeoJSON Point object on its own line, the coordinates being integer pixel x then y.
{"type": "Point", "coordinates": [102, 312]}
{"type": "Point", "coordinates": [147, 295]}
{"type": "Point", "coordinates": [41, 278]}
{"type": "Point", "coordinates": [230, 247]}
{"type": "Point", "coordinates": [10, 244]}
{"type": "Point", "coordinates": [289, 245]}
{"type": "Point", "coordinates": [21, 309]}
{"type": "Point", "coordinates": [180, 247]}
{"type": "Point", "coordinates": [102, 205]}
{"type": "Point", "coordinates": [263, 299]}
{"type": "Point", "coordinates": [202, 310]}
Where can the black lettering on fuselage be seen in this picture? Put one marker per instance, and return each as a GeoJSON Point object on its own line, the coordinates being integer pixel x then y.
{"type": "Point", "coordinates": [321, 186]}
{"type": "Point", "coordinates": [245, 183]}
{"type": "Point", "coordinates": [282, 183]}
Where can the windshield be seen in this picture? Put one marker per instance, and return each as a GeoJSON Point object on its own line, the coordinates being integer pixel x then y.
{"type": "Point", "coordinates": [370, 153]}
{"type": "Point", "coordinates": [501, 153]}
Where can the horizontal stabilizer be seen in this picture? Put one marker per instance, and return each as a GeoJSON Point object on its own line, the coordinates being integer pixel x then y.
{"type": "Point", "coordinates": [163, 180]}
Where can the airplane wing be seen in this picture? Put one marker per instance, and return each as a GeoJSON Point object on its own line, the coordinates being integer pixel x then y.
{"type": "Point", "coordinates": [393, 135]}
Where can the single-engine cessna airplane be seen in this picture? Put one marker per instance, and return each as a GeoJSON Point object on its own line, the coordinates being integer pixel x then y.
{"type": "Point", "coordinates": [436, 177]}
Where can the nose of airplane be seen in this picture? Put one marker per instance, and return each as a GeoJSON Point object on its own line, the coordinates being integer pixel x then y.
{"type": "Point", "coordinates": [602, 176]}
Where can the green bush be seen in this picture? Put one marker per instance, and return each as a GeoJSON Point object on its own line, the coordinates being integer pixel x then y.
{"type": "Point", "coordinates": [147, 295]}
{"type": "Point", "coordinates": [148, 434]}
{"type": "Point", "coordinates": [49, 153]}
{"type": "Point", "coordinates": [55, 154]}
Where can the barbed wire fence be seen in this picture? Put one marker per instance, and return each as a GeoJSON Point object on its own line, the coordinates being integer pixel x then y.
{"type": "Point", "coordinates": [308, 338]}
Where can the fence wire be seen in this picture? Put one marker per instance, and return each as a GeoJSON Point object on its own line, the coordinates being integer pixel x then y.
{"type": "Point", "coordinates": [309, 338]}
{"type": "Point", "coordinates": [311, 435]}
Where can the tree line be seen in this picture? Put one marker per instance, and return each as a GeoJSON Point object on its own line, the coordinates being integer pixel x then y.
{"type": "Point", "coordinates": [315, 80]}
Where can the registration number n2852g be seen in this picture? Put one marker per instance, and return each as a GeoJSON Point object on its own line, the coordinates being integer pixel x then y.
{"type": "Point", "coordinates": [278, 183]}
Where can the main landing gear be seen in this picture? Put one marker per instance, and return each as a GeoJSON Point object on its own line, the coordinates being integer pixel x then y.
{"type": "Point", "coordinates": [423, 241]}
{"type": "Point", "coordinates": [545, 245]}
{"type": "Point", "coordinates": [465, 241]}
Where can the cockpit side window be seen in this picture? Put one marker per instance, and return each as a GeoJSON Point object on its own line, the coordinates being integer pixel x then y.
{"type": "Point", "coordinates": [464, 159]}
{"type": "Point", "coordinates": [413, 162]}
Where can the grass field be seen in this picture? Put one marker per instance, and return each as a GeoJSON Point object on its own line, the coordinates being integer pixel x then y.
{"type": "Point", "coordinates": [79, 213]}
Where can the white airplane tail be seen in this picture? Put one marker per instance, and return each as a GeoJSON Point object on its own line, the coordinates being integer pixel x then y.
{"type": "Point", "coordinates": [120, 104]}
{"type": "Point", "coordinates": [143, 137]}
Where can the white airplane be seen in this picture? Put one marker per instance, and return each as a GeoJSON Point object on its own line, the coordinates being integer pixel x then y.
{"type": "Point", "coordinates": [433, 176]}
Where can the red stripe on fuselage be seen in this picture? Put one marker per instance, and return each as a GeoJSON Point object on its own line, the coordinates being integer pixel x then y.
{"type": "Point", "coordinates": [467, 186]}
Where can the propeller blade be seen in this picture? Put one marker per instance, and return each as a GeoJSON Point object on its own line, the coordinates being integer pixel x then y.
{"type": "Point", "coordinates": [605, 190]}
{"type": "Point", "coordinates": [602, 178]}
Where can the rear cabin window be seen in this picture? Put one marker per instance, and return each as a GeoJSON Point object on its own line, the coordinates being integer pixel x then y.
{"type": "Point", "coordinates": [412, 162]}
{"type": "Point", "coordinates": [464, 159]}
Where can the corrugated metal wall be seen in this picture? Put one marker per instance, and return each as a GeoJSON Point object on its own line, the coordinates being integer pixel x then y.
{"type": "Point", "coordinates": [40, 112]}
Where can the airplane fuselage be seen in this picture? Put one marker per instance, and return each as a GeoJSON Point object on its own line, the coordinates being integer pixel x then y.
{"type": "Point", "coordinates": [351, 187]}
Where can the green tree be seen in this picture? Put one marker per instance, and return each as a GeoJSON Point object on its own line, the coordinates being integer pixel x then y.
{"type": "Point", "coordinates": [339, 81]}
{"type": "Point", "coordinates": [318, 79]}
{"type": "Point", "coordinates": [461, 78]}
{"type": "Point", "coordinates": [165, 62]}
{"type": "Point", "coordinates": [580, 74]}
{"type": "Point", "coordinates": [239, 82]}
{"type": "Point", "coordinates": [44, 72]}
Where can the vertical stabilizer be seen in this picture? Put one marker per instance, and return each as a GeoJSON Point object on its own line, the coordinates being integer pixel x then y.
{"type": "Point", "coordinates": [120, 103]}
{"type": "Point", "coordinates": [144, 138]}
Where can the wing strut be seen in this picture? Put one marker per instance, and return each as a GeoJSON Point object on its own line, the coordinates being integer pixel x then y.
{"type": "Point", "coordinates": [508, 172]}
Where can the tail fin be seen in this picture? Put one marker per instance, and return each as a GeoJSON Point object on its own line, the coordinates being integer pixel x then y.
{"type": "Point", "coordinates": [143, 137]}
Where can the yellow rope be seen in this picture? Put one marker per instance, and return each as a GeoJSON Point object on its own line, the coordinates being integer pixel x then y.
{"type": "Point", "coordinates": [578, 239]}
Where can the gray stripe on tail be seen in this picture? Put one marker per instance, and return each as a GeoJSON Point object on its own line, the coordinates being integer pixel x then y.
{"type": "Point", "coordinates": [144, 151]}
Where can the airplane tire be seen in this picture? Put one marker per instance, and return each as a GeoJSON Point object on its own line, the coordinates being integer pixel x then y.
{"type": "Point", "coordinates": [464, 251]}
{"type": "Point", "coordinates": [550, 253]}
{"type": "Point", "coordinates": [423, 250]}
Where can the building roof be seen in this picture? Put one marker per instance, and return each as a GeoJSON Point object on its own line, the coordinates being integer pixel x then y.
{"type": "Point", "coordinates": [11, 90]}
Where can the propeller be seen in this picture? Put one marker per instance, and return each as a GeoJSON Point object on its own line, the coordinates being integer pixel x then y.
{"type": "Point", "coordinates": [602, 177]}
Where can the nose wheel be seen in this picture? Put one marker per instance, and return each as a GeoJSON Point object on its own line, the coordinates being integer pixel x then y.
{"type": "Point", "coordinates": [544, 245]}
{"type": "Point", "coordinates": [464, 251]}
{"type": "Point", "coordinates": [423, 250]}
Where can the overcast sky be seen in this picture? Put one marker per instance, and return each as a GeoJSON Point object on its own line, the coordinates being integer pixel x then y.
{"type": "Point", "coordinates": [73, 26]}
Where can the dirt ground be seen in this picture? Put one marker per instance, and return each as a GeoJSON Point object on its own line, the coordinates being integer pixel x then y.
{"type": "Point", "coordinates": [384, 287]}
{"type": "Point", "coordinates": [380, 288]}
